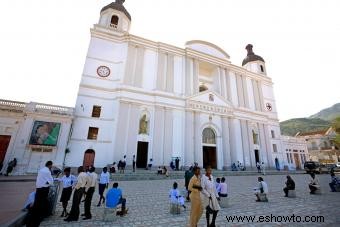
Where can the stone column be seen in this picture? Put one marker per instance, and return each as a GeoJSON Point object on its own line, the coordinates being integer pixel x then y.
{"type": "Point", "coordinates": [269, 146]}
{"type": "Point", "coordinates": [263, 145]}
{"type": "Point", "coordinates": [195, 76]}
{"type": "Point", "coordinates": [245, 143]}
{"type": "Point", "coordinates": [160, 82]}
{"type": "Point", "coordinates": [198, 140]}
{"type": "Point", "coordinates": [245, 91]}
{"type": "Point", "coordinates": [188, 76]}
{"type": "Point", "coordinates": [138, 73]}
{"type": "Point", "coordinates": [189, 138]}
{"type": "Point", "coordinates": [158, 138]}
{"type": "Point", "coordinates": [168, 136]}
{"type": "Point", "coordinates": [226, 143]}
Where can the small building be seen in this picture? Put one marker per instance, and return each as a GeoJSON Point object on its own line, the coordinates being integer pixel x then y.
{"type": "Point", "coordinates": [33, 133]}
{"type": "Point", "coordinates": [321, 145]}
{"type": "Point", "coordinates": [295, 152]}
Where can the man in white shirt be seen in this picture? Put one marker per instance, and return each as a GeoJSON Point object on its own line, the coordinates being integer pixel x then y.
{"type": "Point", "coordinates": [77, 195]}
{"type": "Point", "coordinates": [90, 187]}
{"type": "Point", "coordinates": [40, 208]}
{"type": "Point", "coordinates": [104, 181]}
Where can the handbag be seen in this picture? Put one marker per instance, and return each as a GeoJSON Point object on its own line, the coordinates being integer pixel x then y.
{"type": "Point", "coordinates": [208, 208]}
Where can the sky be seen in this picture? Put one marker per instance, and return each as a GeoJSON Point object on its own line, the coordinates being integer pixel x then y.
{"type": "Point", "coordinates": [43, 44]}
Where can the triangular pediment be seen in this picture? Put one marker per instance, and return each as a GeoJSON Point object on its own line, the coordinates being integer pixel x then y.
{"type": "Point", "coordinates": [210, 98]}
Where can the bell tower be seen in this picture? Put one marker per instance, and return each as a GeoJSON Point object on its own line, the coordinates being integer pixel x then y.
{"type": "Point", "coordinates": [253, 62]}
{"type": "Point", "coordinates": [115, 17]}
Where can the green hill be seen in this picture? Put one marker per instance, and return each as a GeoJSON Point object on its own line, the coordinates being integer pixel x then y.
{"type": "Point", "coordinates": [293, 126]}
{"type": "Point", "coordinates": [328, 114]}
{"type": "Point", "coordinates": [316, 122]}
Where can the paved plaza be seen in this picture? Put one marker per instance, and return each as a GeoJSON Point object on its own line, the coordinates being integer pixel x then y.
{"type": "Point", "coordinates": [149, 205]}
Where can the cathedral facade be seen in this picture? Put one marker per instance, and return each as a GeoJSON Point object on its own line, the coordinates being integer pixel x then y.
{"type": "Point", "coordinates": [151, 100]}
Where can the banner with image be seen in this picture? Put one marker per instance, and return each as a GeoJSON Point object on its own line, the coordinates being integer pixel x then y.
{"type": "Point", "coordinates": [45, 133]}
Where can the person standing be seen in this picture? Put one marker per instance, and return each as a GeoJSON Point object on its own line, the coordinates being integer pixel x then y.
{"type": "Point", "coordinates": [68, 181]}
{"type": "Point", "coordinates": [187, 176]}
{"type": "Point", "coordinates": [104, 181]}
{"type": "Point", "coordinates": [195, 197]}
{"type": "Point", "coordinates": [90, 187]}
{"type": "Point", "coordinates": [10, 166]}
{"type": "Point", "coordinates": [133, 163]}
{"type": "Point", "coordinates": [40, 206]}
{"type": "Point", "coordinates": [177, 163]}
{"type": "Point", "coordinates": [258, 166]}
{"type": "Point", "coordinates": [77, 195]}
{"type": "Point", "coordinates": [263, 168]}
{"type": "Point", "coordinates": [211, 196]}
{"type": "Point", "coordinates": [290, 185]}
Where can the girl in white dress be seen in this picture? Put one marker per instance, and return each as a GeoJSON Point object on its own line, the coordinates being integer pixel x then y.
{"type": "Point", "coordinates": [175, 196]}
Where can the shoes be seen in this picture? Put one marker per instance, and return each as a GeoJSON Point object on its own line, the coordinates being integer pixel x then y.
{"type": "Point", "coordinates": [98, 205]}
{"type": "Point", "coordinates": [257, 200]}
{"type": "Point", "coordinates": [87, 218]}
{"type": "Point", "coordinates": [83, 215]}
{"type": "Point", "coordinates": [70, 219]}
{"type": "Point", "coordinates": [286, 195]}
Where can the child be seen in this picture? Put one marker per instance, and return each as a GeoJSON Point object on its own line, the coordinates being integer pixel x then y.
{"type": "Point", "coordinates": [175, 196]}
{"type": "Point", "coordinates": [68, 182]}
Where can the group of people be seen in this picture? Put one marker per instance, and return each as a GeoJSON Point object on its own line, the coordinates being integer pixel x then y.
{"type": "Point", "coordinates": [238, 167]}
{"type": "Point", "coordinates": [83, 188]}
{"type": "Point", "coordinates": [162, 171]}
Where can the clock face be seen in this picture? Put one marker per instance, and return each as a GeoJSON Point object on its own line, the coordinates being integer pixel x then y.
{"type": "Point", "coordinates": [103, 71]}
{"type": "Point", "coordinates": [269, 107]}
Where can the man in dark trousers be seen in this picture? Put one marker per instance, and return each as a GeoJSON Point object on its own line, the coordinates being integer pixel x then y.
{"type": "Point", "coordinates": [134, 163]}
{"type": "Point", "coordinates": [77, 195]}
{"type": "Point", "coordinates": [90, 187]}
{"type": "Point", "coordinates": [177, 163]}
{"type": "Point", "coordinates": [40, 206]}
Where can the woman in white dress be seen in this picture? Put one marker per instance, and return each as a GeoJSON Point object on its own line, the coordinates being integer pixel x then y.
{"type": "Point", "coordinates": [210, 196]}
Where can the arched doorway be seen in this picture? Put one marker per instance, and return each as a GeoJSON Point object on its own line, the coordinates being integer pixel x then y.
{"type": "Point", "coordinates": [209, 148]}
{"type": "Point", "coordinates": [89, 158]}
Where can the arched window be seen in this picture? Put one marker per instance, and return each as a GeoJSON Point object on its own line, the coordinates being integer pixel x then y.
{"type": "Point", "coordinates": [209, 136]}
{"type": "Point", "coordinates": [114, 21]}
{"type": "Point", "coordinates": [262, 68]}
{"type": "Point", "coordinates": [202, 88]}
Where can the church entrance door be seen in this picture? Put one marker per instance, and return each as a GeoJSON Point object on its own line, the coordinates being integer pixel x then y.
{"type": "Point", "coordinates": [4, 142]}
{"type": "Point", "coordinates": [142, 154]}
{"type": "Point", "coordinates": [209, 157]}
{"type": "Point", "coordinates": [297, 161]}
{"type": "Point", "coordinates": [257, 156]}
{"type": "Point", "coordinates": [89, 158]}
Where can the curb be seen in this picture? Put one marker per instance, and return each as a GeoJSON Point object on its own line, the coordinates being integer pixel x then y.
{"type": "Point", "coordinates": [17, 221]}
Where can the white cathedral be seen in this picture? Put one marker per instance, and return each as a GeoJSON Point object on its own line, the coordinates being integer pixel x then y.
{"type": "Point", "coordinates": [157, 101]}
{"type": "Point", "coordinates": [151, 100]}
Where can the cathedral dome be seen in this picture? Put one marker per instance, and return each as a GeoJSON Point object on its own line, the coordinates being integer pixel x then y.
{"type": "Point", "coordinates": [251, 56]}
{"type": "Point", "coordinates": [117, 5]}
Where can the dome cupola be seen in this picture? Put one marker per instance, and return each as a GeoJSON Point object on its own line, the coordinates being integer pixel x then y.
{"type": "Point", "coordinates": [253, 62]}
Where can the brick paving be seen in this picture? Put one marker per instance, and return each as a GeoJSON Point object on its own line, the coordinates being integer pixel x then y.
{"type": "Point", "coordinates": [149, 206]}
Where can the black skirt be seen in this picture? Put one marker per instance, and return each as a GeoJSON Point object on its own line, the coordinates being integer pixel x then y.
{"type": "Point", "coordinates": [66, 194]}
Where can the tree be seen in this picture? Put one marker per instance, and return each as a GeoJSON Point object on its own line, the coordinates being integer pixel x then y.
{"type": "Point", "coordinates": [336, 126]}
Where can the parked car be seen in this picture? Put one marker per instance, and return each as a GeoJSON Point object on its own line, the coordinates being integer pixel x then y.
{"type": "Point", "coordinates": [326, 168]}
{"type": "Point", "coordinates": [312, 167]}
